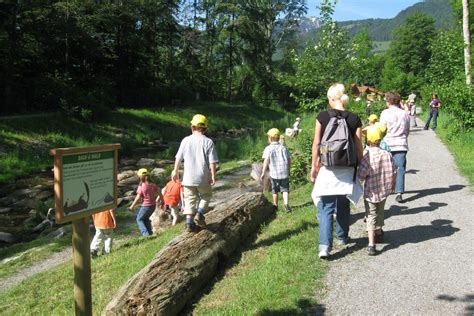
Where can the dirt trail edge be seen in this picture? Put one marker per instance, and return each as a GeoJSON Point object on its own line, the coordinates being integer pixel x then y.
{"type": "Point", "coordinates": [425, 265]}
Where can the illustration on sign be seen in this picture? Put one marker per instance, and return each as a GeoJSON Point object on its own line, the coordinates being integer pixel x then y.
{"type": "Point", "coordinates": [88, 181]}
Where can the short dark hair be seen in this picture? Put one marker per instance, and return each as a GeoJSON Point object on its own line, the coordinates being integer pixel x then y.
{"type": "Point", "coordinates": [392, 98]}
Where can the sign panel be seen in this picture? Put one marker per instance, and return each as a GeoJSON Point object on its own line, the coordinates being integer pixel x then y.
{"type": "Point", "coordinates": [85, 181]}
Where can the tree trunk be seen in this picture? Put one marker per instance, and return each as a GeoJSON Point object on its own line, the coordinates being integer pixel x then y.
{"type": "Point", "coordinates": [467, 41]}
{"type": "Point", "coordinates": [190, 261]}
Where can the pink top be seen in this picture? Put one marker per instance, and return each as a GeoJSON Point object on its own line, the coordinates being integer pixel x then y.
{"type": "Point", "coordinates": [147, 192]}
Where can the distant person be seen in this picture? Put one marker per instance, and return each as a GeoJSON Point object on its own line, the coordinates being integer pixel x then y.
{"type": "Point", "coordinates": [278, 160]}
{"type": "Point", "coordinates": [333, 184]}
{"type": "Point", "coordinates": [296, 127]}
{"type": "Point", "coordinates": [397, 122]}
{"type": "Point", "coordinates": [412, 97]}
{"type": "Point", "coordinates": [412, 113]}
{"type": "Point", "coordinates": [377, 170]}
{"type": "Point", "coordinates": [149, 194]}
{"type": "Point", "coordinates": [435, 104]}
{"type": "Point", "coordinates": [104, 223]}
{"type": "Point", "coordinates": [173, 197]}
{"type": "Point", "coordinates": [200, 161]}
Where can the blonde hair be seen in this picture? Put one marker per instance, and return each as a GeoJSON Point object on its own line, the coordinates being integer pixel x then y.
{"type": "Point", "coordinates": [336, 92]}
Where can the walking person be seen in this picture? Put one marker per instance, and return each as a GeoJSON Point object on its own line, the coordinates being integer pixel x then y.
{"type": "Point", "coordinates": [377, 170]}
{"type": "Point", "coordinates": [149, 194]}
{"type": "Point", "coordinates": [334, 183]}
{"type": "Point", "coordinates": [104, 223]}
{"type": "Point", "coordinates": [200, 160]}
{"type": "Point", "coordinates": [397, 122]}
{"type": "Point", "coordinates": [435, 104]}
{"type": "Point", "coordinates": [278, 160]}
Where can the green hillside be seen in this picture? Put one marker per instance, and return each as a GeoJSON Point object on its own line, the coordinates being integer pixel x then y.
{"type": "Point", "coordinates": [381, 29]}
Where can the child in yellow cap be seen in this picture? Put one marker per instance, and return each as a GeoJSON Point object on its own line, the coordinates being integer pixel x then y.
{"type": "Point", "coordinates": [278, 159]}
{"type": "Point", "coordinates": [377, 169]}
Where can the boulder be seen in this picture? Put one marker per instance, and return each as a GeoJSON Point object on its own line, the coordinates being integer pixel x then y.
{"type": "Point", "coordinates": [128, 162]}
{"type": "Point", "coordinates": [4, 210]}
{"type": "Point", "coordinates": [133, 180]}
{"type": "Point", "coordinates": [7, 238]}
{"type": "Point", "coordinates": [190, 261]}
{"type": "Point", "coordinates": [157, 172]}
{"type": "Point", "coordinates": [44, 195]}
{"type": "Point", "coordinates": [125, 174]}
{"type": "Point", "coordinates": [146, 163]}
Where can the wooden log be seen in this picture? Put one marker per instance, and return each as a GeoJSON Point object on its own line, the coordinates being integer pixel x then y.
{"type": "Point", "coordinates": [190, 261]}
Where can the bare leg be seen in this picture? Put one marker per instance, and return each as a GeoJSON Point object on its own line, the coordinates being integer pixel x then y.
{"type": "Point", "coordinates": [275, 199]}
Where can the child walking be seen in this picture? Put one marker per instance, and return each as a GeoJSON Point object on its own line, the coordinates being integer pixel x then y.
{"type": "Point", "coordinates": [149, 194]}
{"type": "Point", "coordinates": [377, 169]}
{"type": "Point", "coordinates": [278, 159]}
{"type": "Point", "coordinates": [200, 160]}
{"type": "Point", "coordinates": [104, 223]}
{"type": "Point", "coordinates": [173, 196]}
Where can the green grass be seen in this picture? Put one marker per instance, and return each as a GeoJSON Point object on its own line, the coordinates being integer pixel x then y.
{"type": "Point", "coordinates": [278, 274]}
{"type": "Point", "coordinates": [460, 144]}
{"type": "Point", "coordinates": [25, 141]}
{"type": "Point", "coordinates": [51, 292]}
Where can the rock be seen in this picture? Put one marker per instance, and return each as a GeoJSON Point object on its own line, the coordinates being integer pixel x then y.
{"type": "Point", "coordinates": [5, 210]}
{"type": "Point", "coordinates": [133, 180]}
{"type": "Point", "coordinates": [125, 174]}
{"type": "Point", "coordinates": [59, 233]}
{"type": "Point", "coordinates": [7, 238]}
{"type": "Point", "coordinates": [43, 225]}
{"type": "Point", "coordinates": [164, 162]}
{"type": "Point", "coordinates": [5, 201]}
{"type": "Point", "coordinates": [146, 163]}
{"type": "Point", "coordinates": [23, 193]}
{"type": "Point", "coordinates": [157, 172]}
{"type": "Point", "coordinates": [128, 162]}
{"type": "Point", "coordinates": [44, 195]}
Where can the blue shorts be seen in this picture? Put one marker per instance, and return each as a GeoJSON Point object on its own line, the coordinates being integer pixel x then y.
{"type": "Point", "coordinates": [280, 185]}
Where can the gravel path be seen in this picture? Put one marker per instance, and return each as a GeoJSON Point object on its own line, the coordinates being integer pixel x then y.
{"type": "Point", "coordinates": [425, 266]}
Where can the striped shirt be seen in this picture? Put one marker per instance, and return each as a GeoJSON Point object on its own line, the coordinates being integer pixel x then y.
{"type": "Point", "coordinates": [398, 126]}
{"type": "Point", "coordinates": [279, 158]}
{"type": "Point", "coordinates": [378, 170]}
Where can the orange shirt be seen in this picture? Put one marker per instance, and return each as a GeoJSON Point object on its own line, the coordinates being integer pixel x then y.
{"type": "Point", "coordinates": [172, 193]}
{"type": "Point", "coordinates": [103, 220]}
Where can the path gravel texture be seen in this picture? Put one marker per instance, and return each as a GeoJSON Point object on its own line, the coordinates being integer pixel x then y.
{"type": "Point", "coordinates": [426, 264]}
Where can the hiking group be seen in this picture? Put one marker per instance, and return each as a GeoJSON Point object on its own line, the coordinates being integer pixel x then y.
{"type": "Point", "coordinates": [342, 170]}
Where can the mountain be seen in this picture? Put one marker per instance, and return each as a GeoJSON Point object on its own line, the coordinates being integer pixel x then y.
{"type": "Point", "coordinates": [382, 29]}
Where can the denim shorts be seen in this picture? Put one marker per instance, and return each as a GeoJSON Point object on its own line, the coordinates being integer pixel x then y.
{"type": "Point", "coordinates": [280, 185]}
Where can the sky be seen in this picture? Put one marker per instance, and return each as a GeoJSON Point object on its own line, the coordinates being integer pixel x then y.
{"type": "Point", "coordinates": [363, 9]}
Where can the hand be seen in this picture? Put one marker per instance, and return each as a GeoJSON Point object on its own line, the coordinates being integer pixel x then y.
{"type": "Point", "coordinates": [130, 208]}
{"type": "Point", "coordinates": [313, 175]}
{"type": "Point", "coordinates": [213, 180]}
{"type": "Point", "coordinates": [174, 175]}
{"type": "Point", "coordinates": [262, 176]}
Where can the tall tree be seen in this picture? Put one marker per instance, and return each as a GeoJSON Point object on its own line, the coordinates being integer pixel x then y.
{"type": "Point", "coordinates": [467, 41]}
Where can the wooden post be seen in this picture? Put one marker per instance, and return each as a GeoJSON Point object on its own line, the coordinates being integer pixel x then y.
{"type": "Point", "coordinates": [82, 267]}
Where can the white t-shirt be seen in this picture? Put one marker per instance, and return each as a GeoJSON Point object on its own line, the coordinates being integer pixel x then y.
{"type": "Point", "coordinates": [199, 153]}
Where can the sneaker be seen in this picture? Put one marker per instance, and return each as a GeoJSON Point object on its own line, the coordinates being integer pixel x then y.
{"type": "Point", "coordinates": [342, 242]}
{"type": "Point", "coordinates": [275, 208]}
{"type": "Point", "coordinates": [200, 220]}
{"type": "Point", "coordinates": [399, 198]}
{"type": "Point", "coordinates": [190, 228]}
{"type": "Point", "coordinates": [323, 254]}
{"type": "Point", "coordinates": [287, 208]}
{"type": "Point", "coordinates": [371, 250]}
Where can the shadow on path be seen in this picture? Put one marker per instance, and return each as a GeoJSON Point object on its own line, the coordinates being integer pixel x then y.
{"type": "Point", "coordinates": [395, 210]}
{"type": "Point", "coordinates": [411, 235]}
{"type": "Point", "coordinates": [305, 308]}
{"type": "Point", "coordinates": [353, 246]}
{"type": "Point", "coordinates": [412, 171]}
{"type": "Point", "coordinates": [429, 192]}
{"type": "Point", "coordinates": [468, 298]}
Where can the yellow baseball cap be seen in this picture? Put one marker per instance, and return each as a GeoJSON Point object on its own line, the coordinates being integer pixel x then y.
{"type": "Point", "coordinates": [142, 172]}
{"type": "Point", "coordinates": [374, 134]}
{"type": "Point", "coordinates": [199, 120]}
{"type": "Point", "coordinates": [373, 118]}
{"type": "Point", "coordinates": [273, 132]}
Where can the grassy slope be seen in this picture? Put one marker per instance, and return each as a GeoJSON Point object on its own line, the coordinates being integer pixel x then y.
{"type": "Point", "coordinates": [24, 142]}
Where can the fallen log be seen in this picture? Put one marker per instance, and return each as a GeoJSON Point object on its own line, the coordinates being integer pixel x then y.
{"type": "Point", "coordinates": [190, 261]}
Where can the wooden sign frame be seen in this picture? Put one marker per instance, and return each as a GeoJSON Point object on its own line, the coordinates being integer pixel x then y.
{"type": "Point", "coordinates": [85, 154]}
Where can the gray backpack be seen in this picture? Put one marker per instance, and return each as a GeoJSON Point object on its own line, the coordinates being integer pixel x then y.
{"type": "Point", "coordinates": [337, 147]}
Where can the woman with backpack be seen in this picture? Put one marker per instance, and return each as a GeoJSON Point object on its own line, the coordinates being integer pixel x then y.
{"type": "Point", "coordinates": [333, 167]}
